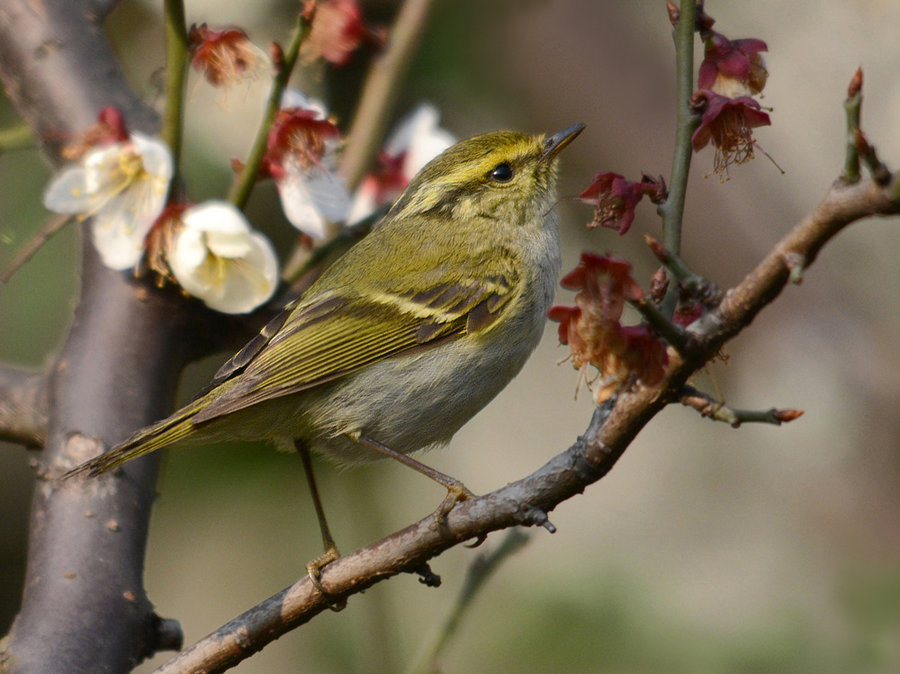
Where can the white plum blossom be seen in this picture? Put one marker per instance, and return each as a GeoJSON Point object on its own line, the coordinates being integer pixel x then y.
{"type": "Point", "coordinates": [217, 257]}
{"type": "Point", "coordinates": [302, 159]}
{"type": "Point", "coordinates": [416, 140]}
{"type": "Point", "coordinates": [122, 186]}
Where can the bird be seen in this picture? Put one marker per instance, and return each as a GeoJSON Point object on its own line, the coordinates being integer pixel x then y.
{"type": "Point", "coordinates": [407, 335]}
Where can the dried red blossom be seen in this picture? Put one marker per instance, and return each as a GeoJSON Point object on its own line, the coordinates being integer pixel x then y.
{"type": "Point", "coordinates": [110, 128]}
{"type": "Point", "coordinates": [615, 198]}
{"type": "Point", "coordinates": [728, 124]}
{"type": "Point", "coordinates": [223, 57]}
{"type": "Point", "coordinates": [158, 242]}
{"type": "Point", "coordinates": [624, 356]}
{"type": "Point", "coordinates": [337, 30]}
{"type": "Point", "coordinates": [685, 314]}
{"type": "Point", "coordinates": [733, 68]}
{"type": "Point", "coordinates": [300, 135]}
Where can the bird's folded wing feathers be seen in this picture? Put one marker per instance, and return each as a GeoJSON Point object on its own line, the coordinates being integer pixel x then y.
{"type": "Point", "coordinates": [336, 335]}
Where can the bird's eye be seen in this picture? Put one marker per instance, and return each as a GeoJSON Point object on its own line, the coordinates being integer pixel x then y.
{"type": "Point", "coordinates": [501, 173]}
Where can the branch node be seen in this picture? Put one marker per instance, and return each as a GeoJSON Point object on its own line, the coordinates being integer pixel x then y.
{"type": "Point", "coordinates": [879, 171]}
{"type": "Point", "coordinates": [167, 634]}
{"type": "Point", "coordinates": [531, 516]}
{"type": "Point", "coordinates": [426, 576]}
{"type": "Point", "coordinates": [796, 264]}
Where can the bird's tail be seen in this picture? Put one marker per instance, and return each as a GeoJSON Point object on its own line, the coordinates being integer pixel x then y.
{"type": "Point", "coordinates": [148, 439]}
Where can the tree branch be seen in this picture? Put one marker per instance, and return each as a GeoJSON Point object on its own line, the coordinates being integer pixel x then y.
{"type": "Point", "coordinates": [380, 91]}
{"type": "Point", "coordinates": [525, 502]}
{"type": "Point", "coordinates": [23, 407]}
{"type": "Point", "coordinates": [84, 608]}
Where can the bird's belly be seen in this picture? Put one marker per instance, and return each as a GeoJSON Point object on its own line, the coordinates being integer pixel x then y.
{"type": "Point", "coordinates": [439, 390]}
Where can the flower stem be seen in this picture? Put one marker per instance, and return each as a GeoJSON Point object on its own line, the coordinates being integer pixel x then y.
{"type": "Point", "coordinates": [380, 92]}
{"type": "Point", "coordinates": [176, 62]}
{"type": "Point", "coordinates": [246, 179]}
{"type": "Point", "coordinates": [852, 105]}
{"type": "Point", "coordinates": [672, 209]}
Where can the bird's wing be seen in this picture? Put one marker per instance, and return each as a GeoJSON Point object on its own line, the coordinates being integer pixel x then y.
{"type": "Point", "coordinates": [340, 332]}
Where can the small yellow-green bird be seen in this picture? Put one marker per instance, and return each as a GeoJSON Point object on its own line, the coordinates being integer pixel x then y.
{"type": "Point", "coordinates": [411, 332]}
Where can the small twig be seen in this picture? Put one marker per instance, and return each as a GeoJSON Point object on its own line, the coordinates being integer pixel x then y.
{"type": "Point", "coordinates": [718, 411]}
{"type": "Point", "coordinates": [176, 68]}
{"type": "Point", "coordinates": [679, 339]}
{"type": "Point", "coordinates": [879, 171]}
{"type": "Point", "coordinates": [246, 179]}
{"type": "Point", "coordinates": [696, 286]}
{"type": "Point", "coordinates": [477, 575]}
{"type": "Point", "coordinates": [16, 137]}
{"type": "Point", "coordinates": [852, 106]}
{"type": "Point", "coordinates": [24, 407]}
{"type": "Point", "coordinates": [380, 92]}
{"type": "Point", "coordinates": [51, 227]}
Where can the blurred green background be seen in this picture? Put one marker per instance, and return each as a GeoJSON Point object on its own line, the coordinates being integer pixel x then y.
{"type": "Point", "coordinates": [707, 549]}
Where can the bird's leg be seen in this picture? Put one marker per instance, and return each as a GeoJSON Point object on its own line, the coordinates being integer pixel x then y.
{"type": "Point", "coordinates": [456, 490]}
{"type": "Point", "coordinates": [331, 553]}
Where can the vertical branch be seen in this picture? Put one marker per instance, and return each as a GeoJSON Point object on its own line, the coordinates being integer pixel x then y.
{"type": "Point", "coordinates": [672, 209]}
{"type": "Point", "coordinates": [243, 185]}
{"type": "Point", "coordinates": [84, 608]}
{"type": "Point", "coordinates": [380, 91]}
{"type": "Point", "coordinates": [176, 62]}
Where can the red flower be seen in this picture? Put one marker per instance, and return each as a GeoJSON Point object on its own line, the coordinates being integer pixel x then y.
{"type": "Point", "coordinates": [733, 68]}
{"type": "Point", "coordinates": [224, 57]}
{"type": "Point", "coordinates": [624, 356]}
{"type": "Point", "coordinates": [300, 135]}
{"type": "Point", "coordinates": [337, 30]}
{"type": "Point", "coordinates": [727, 122]}
{"type": "Point", "coordinates": [110, 128]}
{"type": "Point", "coordinates": [615, 198]}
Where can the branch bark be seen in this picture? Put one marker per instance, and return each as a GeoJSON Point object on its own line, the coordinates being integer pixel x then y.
{"type": "Point", "coordinates": [525, 502]}
{"type": "Point", "coordinates": [84, 607]}
{"type": "Point", "coordinates": [23, 407]}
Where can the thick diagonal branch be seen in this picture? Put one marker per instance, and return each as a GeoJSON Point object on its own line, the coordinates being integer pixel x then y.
{"type": "Point", "coordinates": [592, 456]}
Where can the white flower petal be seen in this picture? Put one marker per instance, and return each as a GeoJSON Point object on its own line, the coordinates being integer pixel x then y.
{"type": "Point", "coordinates": [229, 245]}
{"type": "Point", "coordinates": [123, 187]}
{"type": "Point", "coordinates": [216, 216]}
{"type": "Point", "coordinates": [311, 199]}
{"type": "Point", "coordinates": [219, 259]}
{"type": "Point", "coordinates": [420, 136]}
{"type": "Point", "coordinates": [189, 250]}
{"type": "Point", "coordinates": [156, 156]}
{"type": "Point", "coordinates": [364, 201]}
{"type": "Point", "coordinates": [67, 192]}
{"type": "Point", "coordinates": [118, 248]}
{"type": "Point", "coordinates": [427, 140]}
{"type": "Point", "coordinates": [292, 98]}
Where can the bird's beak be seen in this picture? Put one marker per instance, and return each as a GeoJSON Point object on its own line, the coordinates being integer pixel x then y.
{"type": "Point", "coordinates": [555, 143]}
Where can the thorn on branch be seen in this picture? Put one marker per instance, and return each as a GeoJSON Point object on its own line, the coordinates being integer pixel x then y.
{"type": "Point", "coordinates": [718, 411]}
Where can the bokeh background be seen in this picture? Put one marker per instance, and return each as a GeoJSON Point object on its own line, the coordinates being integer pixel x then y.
{"type": "Point", "coordinates": [707, 549]}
